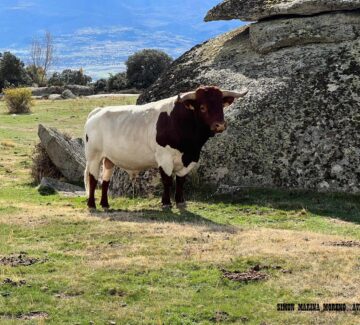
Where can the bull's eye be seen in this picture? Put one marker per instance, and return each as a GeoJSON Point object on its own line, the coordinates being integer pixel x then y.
{"type": "Point", "coordinates": [203, 108]}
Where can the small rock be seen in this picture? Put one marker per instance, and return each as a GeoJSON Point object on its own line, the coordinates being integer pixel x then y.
{"type": "Point", "coordinates": [67, 94]}
{"type": "Point", "coordinates": [55, 97]}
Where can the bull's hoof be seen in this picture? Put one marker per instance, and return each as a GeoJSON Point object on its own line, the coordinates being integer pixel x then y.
{"type": "Point", "coordinates": [92, 210]}
{"type": "Point", "coordinates": [107, 209]}
{"type": "Point", "coordinates": [181, 205]}
{"type": "Point", "coordinates": [166, 206]}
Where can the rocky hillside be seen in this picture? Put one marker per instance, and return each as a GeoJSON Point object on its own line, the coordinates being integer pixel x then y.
{"type": "Point", "coordinates": [298, 127]}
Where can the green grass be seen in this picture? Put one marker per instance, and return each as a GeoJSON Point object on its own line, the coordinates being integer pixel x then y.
{"type": "Point", "coordinates": [143, 265]}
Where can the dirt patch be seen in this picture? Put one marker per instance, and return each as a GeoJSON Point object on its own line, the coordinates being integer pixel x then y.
{"type": "Point", "coordinates": [14, 283]}
{"type": "Point", "coordinates": [253, 274]}
{"type": "Point", "coordinates": [343, 243]}
{"type": "Point", "coordinates": [259, 267]}
{"type": "Point", "coordinates": [34, 315]}
{"type": "Point", "coordinates": [19, 260]}
{"type": "Point", "coordinates": [220, 316]}
{"type": "Point", "coordinates": [26, 316]}
{"type": "Point", "coordinates": [250, 275]}
{"type": "Point", "coordinates": [116, 292]}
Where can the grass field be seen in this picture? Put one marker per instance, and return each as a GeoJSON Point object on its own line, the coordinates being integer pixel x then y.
{"type": "Point", "coordinates": [142, 265]}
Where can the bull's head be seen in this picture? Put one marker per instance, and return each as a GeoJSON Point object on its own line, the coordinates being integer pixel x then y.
{"type": "Point", "coordinates": [208, 104]}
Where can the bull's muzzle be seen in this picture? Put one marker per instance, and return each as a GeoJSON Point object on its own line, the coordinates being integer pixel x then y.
{"type": "Point", "coordinates": [219, 127]}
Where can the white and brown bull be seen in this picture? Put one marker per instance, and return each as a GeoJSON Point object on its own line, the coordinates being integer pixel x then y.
{"type": "Point", "coordinates": [167, 134]}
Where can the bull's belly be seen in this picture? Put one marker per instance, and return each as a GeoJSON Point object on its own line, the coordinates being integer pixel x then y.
{"type": "Point", "coordinates": [136, 159]}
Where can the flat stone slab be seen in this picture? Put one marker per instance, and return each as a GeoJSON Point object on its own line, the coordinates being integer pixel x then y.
{"type": "Point", "coordinates": [67, 154]}
{"type": "Point", "coordinates": [253, 10]}
{"type": "Point", "coordinates": [65, 189]}
{"type": "Point", "coordinates": [267, 36]}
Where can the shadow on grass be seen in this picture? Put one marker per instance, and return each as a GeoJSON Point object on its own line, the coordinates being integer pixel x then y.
{"type": "Point", "coordinates": [180, 216]}
{"type": "Point", "coordinates": [341, 206]}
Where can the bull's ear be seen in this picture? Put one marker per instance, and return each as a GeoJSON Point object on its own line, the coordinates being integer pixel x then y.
{"type": "Point", "coordinates": [190, 104]}
{"type": "Point", "coordinates": [227, 101]}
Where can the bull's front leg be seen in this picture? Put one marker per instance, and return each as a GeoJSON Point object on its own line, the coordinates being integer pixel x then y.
{"type": "Point", "coordinates": [179, 193]}
{"type": "Point", "coordinates": [167, 183]}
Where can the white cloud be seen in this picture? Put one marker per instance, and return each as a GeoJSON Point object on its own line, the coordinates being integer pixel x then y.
{"type": "Point", "coordinates": [100, 51]}
{"type": "Point", "coordinates": [21, 5]}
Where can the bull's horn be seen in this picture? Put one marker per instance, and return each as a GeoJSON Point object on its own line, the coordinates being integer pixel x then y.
{"type": "Point", "coordinates": [188, 96]}
{"type": "Point", "coordinates": [235, 94]}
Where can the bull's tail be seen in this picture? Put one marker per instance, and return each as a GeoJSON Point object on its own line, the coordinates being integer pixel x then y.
{"type": "Point", "coordinates": [87, 180]}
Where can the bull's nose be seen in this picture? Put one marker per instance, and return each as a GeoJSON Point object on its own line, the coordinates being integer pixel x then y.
{"type": "Point", "coordinates": [219, 127]}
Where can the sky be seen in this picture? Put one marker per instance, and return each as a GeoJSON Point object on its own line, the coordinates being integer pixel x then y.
{"type": "Point", "coordinates": [99, 35]}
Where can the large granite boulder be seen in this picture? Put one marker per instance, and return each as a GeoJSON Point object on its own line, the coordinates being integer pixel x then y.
{"type": "Point", "coordinates": [67, 94]}
{"type": "Point", "coordinates": [253, 10]}
{"type": "Point", "coordinates": [80, 90]}
{"type": "Point", "coordinates": [298, 127]}
{"type": "Point", "coordinates": [325, 28]}
{"type": "Point", "coordinates": [67, 154]}
{"type": "Point", "coordinates": [147, 184]}
{"type": "Point", "coordinates": [46, 91]}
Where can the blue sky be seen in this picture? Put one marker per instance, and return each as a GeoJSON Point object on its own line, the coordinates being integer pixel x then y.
{"type": "Point", "coordinates": [98, 35]}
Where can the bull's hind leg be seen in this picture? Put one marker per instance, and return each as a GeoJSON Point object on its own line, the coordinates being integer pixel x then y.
{"type": "Point", "coordinates": [167, 182]}
{"type": "Point", "coordinates": [93, 169]}
{"type": "Point", "coordinates": [108, 168]}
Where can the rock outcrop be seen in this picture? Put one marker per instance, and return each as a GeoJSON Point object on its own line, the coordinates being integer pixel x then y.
{"type": "Point", "coordinates": [46, 91]}
{"type": "Point", "coordinates": [51, 185]}
{"type": "Point", "coordinates": [325, 28]}
{"type": "Point", "coordinates": [298, 127]}
{"type": "Point", "coordinates": [66, 154]}
{"type": "Point", "coordinates": [67, 94]}
{"type": "Point", "coordinates": [253, 10]}
{"type": "Point", "coordinates": [80, 90]}
{"type": "Point", "coordinates": [76, 90]}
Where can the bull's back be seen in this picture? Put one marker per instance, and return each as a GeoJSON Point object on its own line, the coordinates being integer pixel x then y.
{"type": "Point", "coordinates": [124, 134]}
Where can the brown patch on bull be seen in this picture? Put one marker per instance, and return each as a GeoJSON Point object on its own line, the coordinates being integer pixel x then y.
{"type": "Point", "coordinates": [87, 138]}
{"type": "Point", "coordinates": [187, 130]}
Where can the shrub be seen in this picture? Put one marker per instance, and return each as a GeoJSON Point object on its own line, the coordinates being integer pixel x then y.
{"type": "Point", "coordinates": [42, 165]}
{"type": "Point", "coordinates": [18, 100]}
{"type": "Point", "coordinates": [69, 77]}
{"type": "Point", "coordinates": [117, 82]}
{"type": "Point", "coordinates": [145, 66]}
{"type": "Point", "coordinates": [100, 86]}
{"type": "Point", "coordinates": [12, 71]}
{"type": "Point", "coordinates": [56, 80]}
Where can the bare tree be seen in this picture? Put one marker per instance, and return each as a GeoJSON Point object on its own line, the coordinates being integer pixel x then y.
{"type": "Point", "coordinates": [42, 55]}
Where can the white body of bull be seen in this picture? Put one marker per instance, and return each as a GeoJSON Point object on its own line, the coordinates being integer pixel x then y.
{"type": "Point", "coordinates": [126, 135]}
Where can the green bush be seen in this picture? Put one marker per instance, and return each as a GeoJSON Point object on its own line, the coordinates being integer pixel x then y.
{"type": "Point", "coordinates": [145, 66]}
{"type": "Point", "coordinates": [100, 86]}
{"type": "Point", "coordinates": [18, 100]}
{"type": "Point", "coordinates": [69, 77]}
{"type": "Point", "coordinates": [12, 71]}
